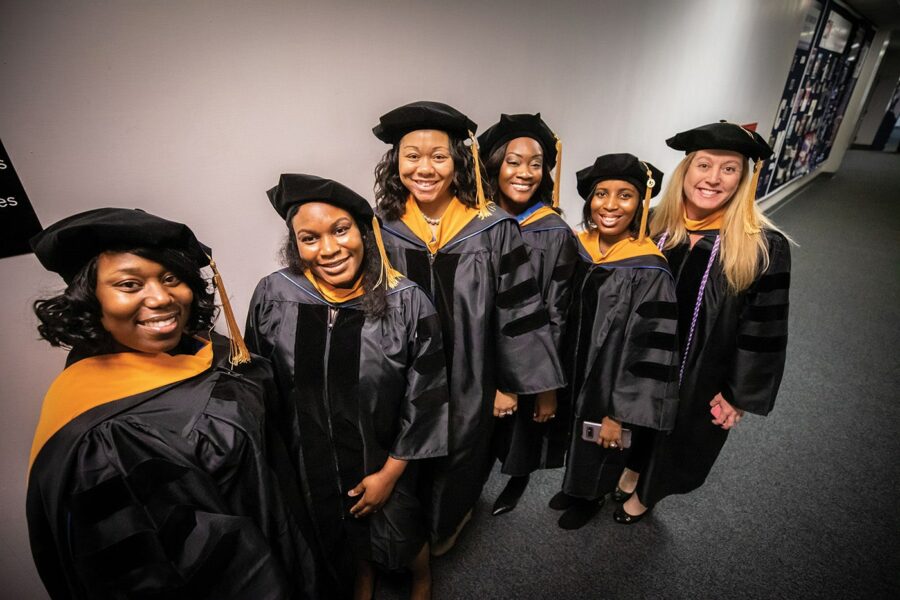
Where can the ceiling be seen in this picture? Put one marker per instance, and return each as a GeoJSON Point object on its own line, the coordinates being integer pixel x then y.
{"type": "Point", "coordinates": [884, 14]}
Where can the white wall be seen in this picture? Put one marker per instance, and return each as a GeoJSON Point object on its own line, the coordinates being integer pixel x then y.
{"type": "Point", "coordinates": [191, 109]}
{"type": "Point", "coordinates": [883, 88]}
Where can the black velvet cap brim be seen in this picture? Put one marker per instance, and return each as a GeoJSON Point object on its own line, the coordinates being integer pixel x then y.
{"type": "Point", "coordinates": [423, 115]}
{"type": "Point", "coordinates": [722, 136]}
{"type": "Point", "coordinates": [510, 127]}
{"type": "Point", "coordinates": [625, 167]}
{"type": "Point", "coordinates": [294, 190]}
{"type": "Point", "coordinates": [67, 245]}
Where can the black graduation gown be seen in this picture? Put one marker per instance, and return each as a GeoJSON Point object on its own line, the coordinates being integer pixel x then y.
{"type": "Point", "coordinates": [169, 494]}
{"type": "Point", "coordinates": [521, 444]}
{"type": "Point", "coordinates": [622, 358]}
{"type": "Point", "coordinates": [496, 334]}
{"type": "Point", "coordinates": [354, 391]}
{"type": "Point", "coordinates": [738, 349]}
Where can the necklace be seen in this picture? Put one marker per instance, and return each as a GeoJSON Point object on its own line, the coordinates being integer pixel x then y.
{"type": "Point", "coordinates": [430, 221]}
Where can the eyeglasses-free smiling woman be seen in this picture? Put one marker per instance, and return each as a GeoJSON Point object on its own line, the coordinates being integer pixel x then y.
{"type": "Point", "coordinates": [521, 151]}
{"type": "Point", "coordinates": [359, 365]}
{"type": "Point", "coordinates": [621, 340]}
{"type": "Point", "coordinates": [732, 270]}
{"type": "Point", "coordinates": [153, 471]}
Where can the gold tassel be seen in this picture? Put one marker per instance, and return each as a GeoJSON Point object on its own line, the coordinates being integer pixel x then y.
{"type": "Point", "coordinates": [387, 271]}
{"type": "Point", "coordinates": [648, 193]}
{"type": "Point", "coordinates": [239, 352]}
{"type": "Point", "coordinates": [751, 222]}
{"type": "Point", "coordinates": [483, 209]}
{"type": "Point", "coordinates": [557, 172]}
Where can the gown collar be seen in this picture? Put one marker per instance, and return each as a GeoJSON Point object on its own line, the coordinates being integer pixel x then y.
{"type": "Point", "coordinates": [534, 213]}
{"type": "Point", "coordinates": [708, 223]}
{"type": "Point", "coordinates": [621, 250]}
{"type": "Point", "coordinates": [98, 380]}
{"type": "Point", "coordinates": [453, 221]}
{"type": "Point", "coordinates": [335, 295]}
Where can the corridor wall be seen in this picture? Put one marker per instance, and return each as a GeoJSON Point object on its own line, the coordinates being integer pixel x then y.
{"type": "Point", "coordinates": [882, 91]}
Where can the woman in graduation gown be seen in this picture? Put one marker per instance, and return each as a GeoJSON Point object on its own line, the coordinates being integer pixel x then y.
{"type": "Point", "coordinates": [470, 258]}
{"type": "Point", "coordinates": [149, 474]}
{"type": "Point", "coordinates": [359, 365]}
{"type": "Point", "coordinates": [732, 271]}
{"type": "Point", "coordinates": [521, 151]}
{"type": "Point", "coordinates": [622, 347]}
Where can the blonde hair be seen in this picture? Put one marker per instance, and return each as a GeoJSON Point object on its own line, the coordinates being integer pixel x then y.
{"type": "Point", "coordinates": [743, 250]}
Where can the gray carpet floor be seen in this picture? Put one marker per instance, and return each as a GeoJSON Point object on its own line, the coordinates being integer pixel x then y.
{"type": "Point", "coordinates": [802, 504]}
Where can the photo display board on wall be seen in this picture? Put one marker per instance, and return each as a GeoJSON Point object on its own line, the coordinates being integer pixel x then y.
{"type": "Point", "coordinates": [826, 65]}
{"type": "Point", "coordinates": [17, 219]}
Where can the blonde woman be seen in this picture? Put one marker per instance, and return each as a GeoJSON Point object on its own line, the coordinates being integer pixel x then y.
{"type": "Point", "coordinates": [732, 273]}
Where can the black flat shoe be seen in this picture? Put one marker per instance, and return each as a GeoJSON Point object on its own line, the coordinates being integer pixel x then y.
{"type": "Point", "coordinates": [578, 515]}
{"type": "Point", "coordinates": [561, 501]}
{"type": "Point", "coordinates": [620, 497]}
{"type": "Point", "coordinates": [623, 518]}
{"type": "Point", "coordinates": [510, 495]}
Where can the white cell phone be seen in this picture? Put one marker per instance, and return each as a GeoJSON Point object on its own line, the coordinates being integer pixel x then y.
{"type": "Point", "coordinates": [590, 432]}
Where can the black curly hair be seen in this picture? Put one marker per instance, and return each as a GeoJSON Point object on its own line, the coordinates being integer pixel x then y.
{"type": "Point", "coordinates": [589, 224]}
{"type": "Point", "coordinates": [391, 195]}
{"type": "Point", "coordinates": [374, 301]}
{"type": "Point", "coordinates": [72, 318]}
{"type": "Point", "coordinates": [492, 165]}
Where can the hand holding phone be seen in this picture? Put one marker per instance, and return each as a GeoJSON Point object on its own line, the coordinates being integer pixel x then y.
{"type": "Point", "coordinates": [590, 432]}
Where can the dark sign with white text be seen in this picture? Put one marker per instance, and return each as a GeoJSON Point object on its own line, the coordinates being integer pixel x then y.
{"type": "Point", "coordinates": [17, 219]}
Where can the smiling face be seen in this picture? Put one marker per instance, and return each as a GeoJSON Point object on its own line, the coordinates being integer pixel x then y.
{"type": "Point", "coordinates": [613, 206]}
{"type": "Point", "coordinates": [329, 242]}
{"type": "Point", "coordinates": [711, 181]}
{"type": "Point", "coordinates": [144, 305]}
{"type": "Point", "coordinates": [426, 169]}
{"type": "Point", "coordinates": [520, 173]}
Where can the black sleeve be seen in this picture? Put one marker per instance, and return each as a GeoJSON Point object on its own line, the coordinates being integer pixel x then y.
{"type": "Point", "coordinates": [48, 558]}
{"type": "Point", "coordinates": [527, 359]}
{"type": "Point", "coordinates": [424, 417]}
{"type": "Point", "coordinates": [145, 521]}
{"type": "Point", "coordinates": [645, 390]}
{"type": "Point", "coordinates": [758, 364]}
{"type": "Point", "coordinates": [257, 321]}
{"type": "Point", "coordinates": [561, 260]}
